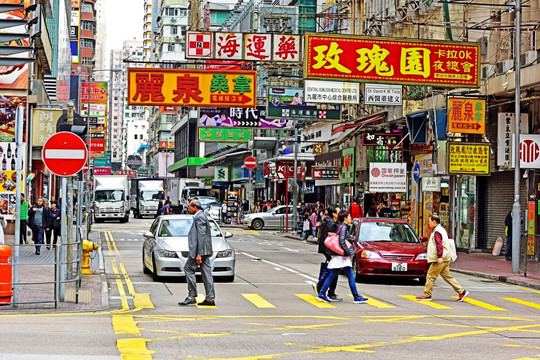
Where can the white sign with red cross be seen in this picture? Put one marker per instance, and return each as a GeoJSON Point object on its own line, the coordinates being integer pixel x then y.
{"type": "Point", "coordinates": [199, 45]}
{"type": "Point", "coordinates": [64, 154]}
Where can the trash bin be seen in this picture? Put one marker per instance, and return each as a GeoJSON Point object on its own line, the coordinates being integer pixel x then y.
{"type": "Point", "coordinates": [5, 274]}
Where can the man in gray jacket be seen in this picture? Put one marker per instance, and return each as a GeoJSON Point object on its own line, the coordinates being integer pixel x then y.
{"type": "Point", "coordinates": [200, 252]}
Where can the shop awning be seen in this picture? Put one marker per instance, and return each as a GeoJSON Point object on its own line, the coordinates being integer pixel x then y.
{"type": "Point", "coordinates": [360, 122]}
{"type": "Point", "coordinates": [228, 159]}
{"type": "Point", "coordinates": [417, 125]}
{"type": "Point", "coordinates": [290, 158]}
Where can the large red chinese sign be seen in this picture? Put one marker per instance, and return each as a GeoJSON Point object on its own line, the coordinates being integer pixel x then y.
{"type": "Point", "coordinates": [202, 88]}
{"type": "Point", "coordinates": [401, 61]}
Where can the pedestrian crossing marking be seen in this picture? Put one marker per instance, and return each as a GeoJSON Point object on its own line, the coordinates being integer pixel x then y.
{"type": "Point", "coordinates": [258, 301]}
{"type": "Point", "coordinates": [427, 303]}
{"type": "Point", "coordinates": [315, 302]}
{"type": "Point", "coordinates": [481, 304]}
{"type": "Point", "coordinates": [523, 302]}
{"type": "Point", "coordinates": [201, 298]}
{"type": "Point", "coordinates": [376, 303]}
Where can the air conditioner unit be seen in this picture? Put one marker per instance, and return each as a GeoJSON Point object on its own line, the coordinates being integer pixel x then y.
{"type": "Point", "coordinates": [173, 19]}
{"type": "Point", "coordinates": [529, 58]}
{"type": "Point", "coordinates": [488, 71]}
{"type": "Point", "coordinates": [504, 66]}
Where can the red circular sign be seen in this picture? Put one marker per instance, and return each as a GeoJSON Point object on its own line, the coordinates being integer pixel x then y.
{"type": "Point", "coordinates": [529, 151]}
{"type": "Point", "coordinates": [64, 154]}
{"type": "Point", "coordinates": [250, 163]}
{"type": "Point", "coordinates": [85, 168]}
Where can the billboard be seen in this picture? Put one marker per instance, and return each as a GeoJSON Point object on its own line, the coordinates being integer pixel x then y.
{"type": "Point", "coordinates": [400, 61]}
{"type": "Point", "coordinates": [44, 125]}
{"type": "Point", "coordinates": [388, 177]}
{"type": "Point", "coordinates": [8, 109]}
{"type": "Point", "coordinates": [241, 118]}
{"type": "Point", "coordinates": [468, 158]}
{"type": "Point", "coordinates": [289, 103]}
{"type": "Point", "coordinates": [466, 115]}
{"type": "Point", "coordinates": [201, 88]}
{"type": "Point", "coordinates": [74, 32]}
{"type": "Point", "coordinates": [383, 94]}
{"type": "Point", "coordinates": [335, 92]}
{"type": "Point", "coordinates": [8, 177]}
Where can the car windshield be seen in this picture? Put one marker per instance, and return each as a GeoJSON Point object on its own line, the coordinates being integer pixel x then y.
{"type": "Point", "coordinates": [152, 195]}
{"type": "Point", "coordinates": [180, 227]}
{"type": "Point", "coordinates": [387, 232]}
{"type": "Point", "coordinates": [208, 201]}
{"type": "Point", "coordinates": [199, 192]}
{"type": "Point", "coordinates": [109, 195]}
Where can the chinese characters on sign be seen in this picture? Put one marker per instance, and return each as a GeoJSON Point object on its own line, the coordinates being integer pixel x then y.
{"type": "Point", "coordinates": [44, 125]}
{"type": "Point", "coordinates": [388, 177]}
{"type": "Point", "coordinates": [241, 118]}
{"type": "Point", "coordinates": [506, 126]}
{"type": "Point", "coordinates": [468, 159]}
{"type": "Point", "coordinates": [466, 115]}
{"type": "Point", "coordinates": [327, 174]}
{"type": "Point", "coordinates": [175, 87]}
{"type": "Point", "coordinates": [382, 94]}
{"type": "Point", "coordinates": [224, 135]}
{"type": "Point", "coordinates": [290, 104]}
{"type": "Point", "coordinates": [335, 92]}
{"type": "Point", "coordinates": [383, 139]}
{"type": "Point", "coordinates": [431, 184]}
{"type": "Point", "coordinates": [392, 60]}
{"type": "Point", "coordinates": [240, 46]}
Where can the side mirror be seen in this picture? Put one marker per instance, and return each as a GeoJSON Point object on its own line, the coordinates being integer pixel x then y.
{"type": "Point", "coordinates": [228, 235]}
{"type": "Point", "coordinates": [148, 235]}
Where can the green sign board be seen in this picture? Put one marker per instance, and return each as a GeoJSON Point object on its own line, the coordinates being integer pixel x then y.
{"type": "Point", "coordinates": [347, 168]}
{"type": "Point", "coordinates": [103, 161]}
{"type": "Point", "coordinates": [224, 134]}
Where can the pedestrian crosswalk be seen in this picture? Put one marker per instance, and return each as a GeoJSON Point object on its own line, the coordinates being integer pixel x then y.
{"type": "Point", "coordinates": [258, 301]}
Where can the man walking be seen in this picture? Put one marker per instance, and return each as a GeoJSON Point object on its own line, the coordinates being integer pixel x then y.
{"type": "Point", "coordinates": [39, 219]}
{"type": "Point", "coordinates": [508, 223]}
{"type": "Point", "coordinates": [200, 252]}
{"type": "Point", "coordinates": [441, 251]}
{"type": "Point", "coordinates": [328, 225]}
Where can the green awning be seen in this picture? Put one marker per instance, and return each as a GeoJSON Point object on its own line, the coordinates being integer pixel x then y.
{"type": "Point", "coordinates": [190, 161]}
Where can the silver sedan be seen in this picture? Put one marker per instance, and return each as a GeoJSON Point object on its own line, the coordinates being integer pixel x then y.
{"type": "Point", "coordinates": [274, 219]}
{"type": "Point", "coordinates": [165, 248]}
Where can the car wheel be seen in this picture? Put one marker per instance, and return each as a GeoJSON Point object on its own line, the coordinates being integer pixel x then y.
{"type": "Point", "coordinates": [422, 281]}
{"type": "Point", "coordinates": [155, 276]}
{"type": "Point", "coordinates": [357, 277]}
{"type": "Point", "coordinates": [145, 270]}
{"type": "Point", "coordinates": [257, 224]}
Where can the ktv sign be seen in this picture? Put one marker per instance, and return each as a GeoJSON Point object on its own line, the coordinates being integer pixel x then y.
{"type": "Point", "coordinates": [529, 151]}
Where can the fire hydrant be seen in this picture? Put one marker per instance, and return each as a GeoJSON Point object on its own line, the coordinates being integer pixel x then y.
{"type": "Point", "coordinates": [88, 247]}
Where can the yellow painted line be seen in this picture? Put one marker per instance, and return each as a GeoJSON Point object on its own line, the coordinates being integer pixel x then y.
{"type": "Point", "coordinates": [523, 302]}
{"type": "Point", "coordinates": [113, 243]}
{"type": "Point", "coordinates": [121, 291]}
{"type": "Point", "coordinates": [376, 303]}
{"type": "Point", "coordinates": [142, 301]}
{"type": "Point", "coordinates": [125, 324]}
{"type": "Point", "coordinates": [134, 349]}
{"type": "Point", "coordinates": [258, 301]}
{"type": "Point", "coordinates": [427, 303]}
{"type": "Point", "coordinates": [482, 304]}
{"type": "Point", "coordinates": [129, 284]}
{"type": "Point", "coordinates": [315, 302]}
{"type": "Point", "coordinates": [108, 242]}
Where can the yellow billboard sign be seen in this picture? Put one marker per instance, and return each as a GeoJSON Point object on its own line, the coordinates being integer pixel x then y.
{"type": "Point", "coordinates": [468, 159]}
{"type": "Point", "coordinates": [201, 88]}
{"type": "Point", "coordinates": [44, 125]}
{"type": "Point", "coordinates": [466, 115]}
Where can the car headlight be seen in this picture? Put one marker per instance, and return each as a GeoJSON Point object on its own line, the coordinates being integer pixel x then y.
{"type": "Point", "coordinates": [225, 253]}
{"type": "Point", "coordinates": [422, 256]}
{"type": "Point", "coordinates": [167, 253]}
{"type": "Point", "coordinates": [370, 255]}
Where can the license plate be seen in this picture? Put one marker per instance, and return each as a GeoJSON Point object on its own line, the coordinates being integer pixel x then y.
{"type": "Point", "coordinates": [399, 267]}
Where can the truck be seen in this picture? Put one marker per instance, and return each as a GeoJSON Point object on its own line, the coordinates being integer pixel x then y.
{"type": "Point", "coordinates": [182, 191]}
{"type": "Point", "coordinates": [145, 196]}
{"type": "Point", "coordinates": [111, 198]}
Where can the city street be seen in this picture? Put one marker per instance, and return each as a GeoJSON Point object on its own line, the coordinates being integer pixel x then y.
{"type": "Point", "coordinates": [270, 312]}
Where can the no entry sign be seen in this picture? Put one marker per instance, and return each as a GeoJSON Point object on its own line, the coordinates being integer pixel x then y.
{"type": "Point", "coordinates": [64, 154]}
{"type": "Point", "coordinates": [250, 163]}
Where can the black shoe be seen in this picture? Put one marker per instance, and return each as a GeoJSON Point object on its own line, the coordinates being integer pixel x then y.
{"type": "Point", "coordinates": [334, 298]}
{"type": "Point", "coordinates": [26, 242]}
{"type": "Point", "coordinates": [187, 301]}
{"type": "Point", "coordinates": [207, 303]}
{"type": "Point", "coordinates": [48, 248]}
{"type": "Point", "coordinates": [37, 252]}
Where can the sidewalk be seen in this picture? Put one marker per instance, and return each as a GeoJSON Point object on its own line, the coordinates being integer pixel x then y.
{"type": "Point", "coordinates": [476, 264]}
{"type": "Point", "coordinates": [36, 272]}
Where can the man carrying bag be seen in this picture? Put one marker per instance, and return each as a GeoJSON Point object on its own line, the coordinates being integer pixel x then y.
{"type": "Point", "coordinates": [328, 225]}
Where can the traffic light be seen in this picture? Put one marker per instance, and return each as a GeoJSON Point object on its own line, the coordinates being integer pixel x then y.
{"type": "Point", "coordinates": [78, 127]}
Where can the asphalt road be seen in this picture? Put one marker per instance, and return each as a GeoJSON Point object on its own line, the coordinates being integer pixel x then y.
{"type": "Point", "coordinates": [270, 312]}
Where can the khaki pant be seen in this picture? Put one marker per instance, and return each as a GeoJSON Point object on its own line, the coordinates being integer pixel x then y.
{"type": "Point", "coordinates": [444, 270]}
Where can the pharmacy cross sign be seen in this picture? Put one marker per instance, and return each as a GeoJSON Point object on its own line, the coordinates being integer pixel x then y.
{"type": "Point", "coordinates": [64, 154]}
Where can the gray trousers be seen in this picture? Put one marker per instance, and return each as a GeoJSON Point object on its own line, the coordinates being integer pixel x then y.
{"type": "Point", "coordinates": [206, 274]}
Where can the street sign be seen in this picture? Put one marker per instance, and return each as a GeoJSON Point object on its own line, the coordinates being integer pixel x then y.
{"type": "Point", "coordinates": [85, 168]}
{"type": "Point", "coordinates": [250, 163]}
{"type": "Point", "coordinates": [64, 154]}
{"type": "Point", "coordinates": [416, 172]}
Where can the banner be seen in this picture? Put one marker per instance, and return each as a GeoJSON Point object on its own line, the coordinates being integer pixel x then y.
{"type": "Point", "coordinates": [201, 88]}
{"type": "Point", "coordinates": [400, 61]}
{"type": "Point", "coordinates": [388, 177]}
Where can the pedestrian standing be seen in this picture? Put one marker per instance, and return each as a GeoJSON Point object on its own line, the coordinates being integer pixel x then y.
{"type": "Point", "coordinates": [3, 224]}
{"type": "Point", "coordinates": [24, 218]}
{"type": "Point", "coordinates": [245, 207]}
{"type": "Point", "coordinates": [306, 225]}
{"type": "Point", "coordinates": [508, 222]}
{"type": "Point", "coordinates": [328, 225]}
{"type": "Point", "coordinates": [200, 252]}
{"type": "Point", "coordinates": [313, 222]}
{"type": "Point", "coordinates": [39, 220]}
{"type": "Point", "coordinates": [355, 209]}
{"type": "Point", "coordinates": [224, 211]}
{"type": "Point", "coordinates": [343, 262]}
{"type": "Point", "coordinates": [48, 230]}
{"type": "Point", "coordinates": [55, 223]}
{"type": "Point", "coordinates": [167, 208]}
{"type": "Point", "coordinates": [441, 251]}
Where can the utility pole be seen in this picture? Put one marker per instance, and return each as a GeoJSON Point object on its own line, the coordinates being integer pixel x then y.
{"type": "Point", "coordinates": [516, 209]}
{"type": "Point", "coordinates": [295, 181]}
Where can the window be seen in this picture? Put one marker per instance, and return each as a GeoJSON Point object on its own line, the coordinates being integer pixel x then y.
{"type": "Point", "coordinates": [85, 7]}
{"type": "Point", "coordinates": [87, 25]}
{"type": "Point", "coordinates": [135, 136]}
{"type": "Point", "coordinates": [174, 30]}
{"type": "Point", "coordinates": [170, 47]}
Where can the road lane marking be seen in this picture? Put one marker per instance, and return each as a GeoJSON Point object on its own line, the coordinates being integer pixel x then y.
{"type": "Point", "coordinates": [376, 303]}
{"type": "Point", "coordinates": [523, 302]}
{"type": "Point", "coordinates": [482, 304]}
{"type": "Point", "coordinates": [427, 303]}
{"type": "Point", "coordinates": [113, 243]}
{"type": "Point", "coordinates": [315, 302]}
{"type": "Point", "coordinates": [258, 301]}
{"type": "Point", "coordinates": [312, 278]}
{"type": "Point", "coordinates": [125, 324]}
{"type": "Point", "coordinates": [134, 349]}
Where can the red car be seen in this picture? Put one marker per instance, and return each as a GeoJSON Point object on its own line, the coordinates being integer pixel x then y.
{"type": "Point", "coordinates": [387, 247]}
